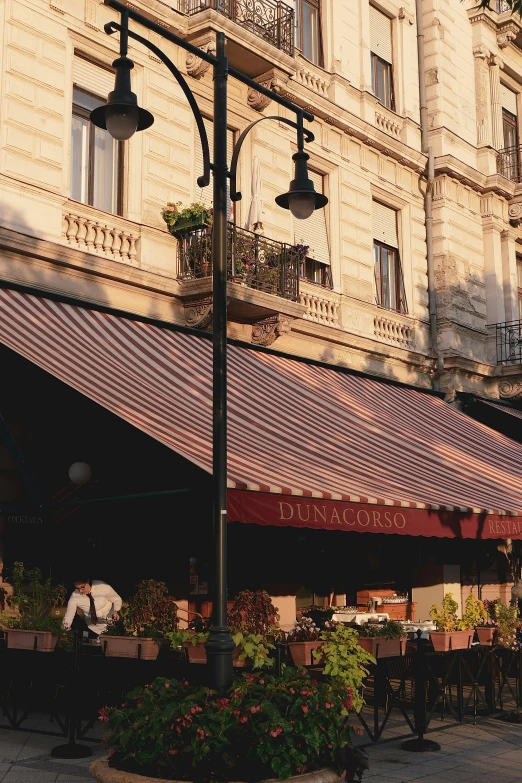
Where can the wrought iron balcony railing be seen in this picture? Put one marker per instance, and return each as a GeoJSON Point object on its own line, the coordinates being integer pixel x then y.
{"type": "Point", "coordinates": [502, 6]}
{"type": "Point", "coordinates": [271, 20]}
{"type": "Point", "coordinates": [509, 342]}
{"type": "Point", "coordinates": [509, 163]}
{"type": "Point", "coordinates": [253, 260]}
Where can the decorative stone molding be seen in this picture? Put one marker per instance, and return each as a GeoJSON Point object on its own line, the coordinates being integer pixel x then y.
{"type": "Point", "coordinates": [313, 81]}
{"type": "Point", "coordinates": [90, 14]}
{"type": "Point", "coordinates": [510, 390]}
{"type": "Point", "coordinates": [86, 233]}
{"type": "Point", "coordinates": [481, 52]}
{"type": "Point", "coordinates": [387, 125]}
{"type": "Point", "coordinates": [57, 5]}
{"type": "Point", "coordinates": [405, 16]}
{"type": "Point", "coordinates": [432, 76]}
{"type": "Point", "coordinates": [393, 331]}
{"type": "Point", "coordinates": [198, 312]}
{"type": "Point", "coordinates": [515, 213]}
{"type": "Point", "coordinates": [506, 34]}
{"type": "Point", "coordinates": [266, 331]}
{"type": "Point", "coordinates": [322, 309]}
{"type": "Point", "coordinates": [196, 66]}
{"type": "Point", "coordinates": [273, 80]}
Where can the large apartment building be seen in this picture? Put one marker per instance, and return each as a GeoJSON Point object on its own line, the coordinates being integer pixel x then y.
{"type": "Point", "coordinates": [81, 213]}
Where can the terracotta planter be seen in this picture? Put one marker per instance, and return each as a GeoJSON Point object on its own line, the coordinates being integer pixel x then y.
{"type": "Point", "coordinates": [301, 652]}
{"type": "Point", "coordinates": [485, 634]}
{"type": "Point", "coordinates": [130, 647]}
{"type": "Point", "coordinates": [451, 640]}
{"type": "Point", "coordinates": [383, 648]}
{"type": "Point", "coordinates": [101, 772]}
{"type": "Point", "coordinates": [196, 652]}
{"type": "Point", "coordinates": [41, 641]}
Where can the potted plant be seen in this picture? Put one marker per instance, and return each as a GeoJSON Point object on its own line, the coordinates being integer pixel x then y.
{"type": "Point", "coordinates": [383, 640]}
{"type": "Point", "coordinates": [254, 622]}
{"type": "Point", "coordinates": [344, 660]}
{"type": "Point", "coordinates": [508, 625]}
{"type": "Point", "coordinates": [145, 620]}
{"type": "Point", "coordinates": [192, 639]}
{"type": "Point", "coordinates": [302, 640]}
{"type": "Point", "coordinates": [180, 219]}
{"type": "Point", "coordinates": [265, 727]}
{"type": "Point", "coordinates": [450, 633]}
{"type": "Point", "coordinates": [476, 617]}
{"type": "Point", "coordinates": [37, 622]}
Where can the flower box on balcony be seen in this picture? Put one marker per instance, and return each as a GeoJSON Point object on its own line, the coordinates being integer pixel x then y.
{"type": "Point", "coordinates": [186, 225]}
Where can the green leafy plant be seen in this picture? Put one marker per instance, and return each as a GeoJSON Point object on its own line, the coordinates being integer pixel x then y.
{"type": "Point", "coordinates": [344, 660]}
{"type": "Point", "coordinates": [254, 622]}
{"type": "Point", "coordinates": [508, 625]}
{"type": "Point", "coordinates": [266, 725]}
{"type": "Point", "coordinates": [474, 613]}
{"type": "Point", "coordinates": [35, 601]}
{"type": "Point", "coordinates": [390, 630]}
{"type": "Point", "coordinates": [175, 212]}
{"type": "Point", "coordinates": [514, 5]}
{"type": "Point", "coordinates": [445, 616]}
{"type": "Point", "coordinates": [151, 613]}
{"type": "Point", "coordinates": [179, 638]}
{"type": "Point", "coordinates": [255, 648]}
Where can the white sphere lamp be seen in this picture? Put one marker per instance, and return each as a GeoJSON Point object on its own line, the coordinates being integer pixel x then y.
{"type": "Point", "coordinates": [80, 473]}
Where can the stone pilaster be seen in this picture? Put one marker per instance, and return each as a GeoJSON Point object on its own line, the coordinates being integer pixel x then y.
{"type": "Point", "coordinates": [495, 65]}
{"type": "Point", "coordinates": [482, 92]}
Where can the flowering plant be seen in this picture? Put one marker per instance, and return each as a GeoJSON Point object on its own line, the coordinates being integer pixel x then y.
{"type": "Point", "coordinates": [254, 621]}
{"type": "Point", "coordinates": [35, 601]}
{"type": "Point", "coordinates": [304, 630]}
{"type": "Point", "coordinates": [344, 660]}
{"type": "Point", "coordinates": [284, 725]}
{"type": "Point", "coordinates": [508, 625]}
{"type": "Point", "coordinates": [150, 613]}
{"type": "Point", "coordinates": [174, 212]}
{"type": "Point", "coordinates": [390, 630]}
{"type": "Point", "coordinates": [302, 251]}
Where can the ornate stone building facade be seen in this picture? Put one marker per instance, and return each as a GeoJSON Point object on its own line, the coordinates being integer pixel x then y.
{"type": "Point", "coordinates": [415, 118]}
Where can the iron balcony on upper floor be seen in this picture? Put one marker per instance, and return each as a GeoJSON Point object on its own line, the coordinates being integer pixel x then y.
{"type": "Point", "coordinates": [509, 163]}
{"type": "Point", "coordinates": [509, 342]}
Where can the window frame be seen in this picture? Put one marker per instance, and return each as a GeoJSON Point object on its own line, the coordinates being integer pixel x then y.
{"type": "Point", "coordinates": [316, 4]}
{"type": "Point", "coordinates": [401, 303]}
{"type": "Point", "coordinates": [377, 61]}
{"type": "Point", "coordinates": [84, 114]}
{"type": "Point", "coordinates": [519, 286]}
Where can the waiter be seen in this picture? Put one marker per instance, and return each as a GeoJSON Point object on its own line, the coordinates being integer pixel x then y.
{"type": "Point", "coordinates": [98, 602]}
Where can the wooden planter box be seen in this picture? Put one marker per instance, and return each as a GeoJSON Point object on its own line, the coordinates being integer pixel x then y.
{"type": "Point", "coordinates": [383, 648]}
{"type": "Point", "coordinates": [41, 641]}
{"type": "Point", "coordinates": [451, 640]}
{"type": "Point", "coordinates": [130, 647]}
{"type": "Point", "coordinates": [196, 653]}
{"type": "Point", "coordinates": [301, 652]}
{"type": "Point", "coordinates": [485, 634]}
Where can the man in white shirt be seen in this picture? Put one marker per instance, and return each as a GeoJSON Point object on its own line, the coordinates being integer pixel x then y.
{"type": "Point", "coordinates": [97, 600]}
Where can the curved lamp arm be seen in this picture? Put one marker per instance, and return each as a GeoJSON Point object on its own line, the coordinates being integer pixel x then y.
{"type": "Point", "coordinates": [113, 27]}
{"type": "Point", "coordinates": [303, 134]}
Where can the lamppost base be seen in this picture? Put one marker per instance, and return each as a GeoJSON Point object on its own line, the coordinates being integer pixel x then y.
{"type": "Point", "coordinates": [420, 745]}
{"type": "Point", "coordinates": [71, 751]}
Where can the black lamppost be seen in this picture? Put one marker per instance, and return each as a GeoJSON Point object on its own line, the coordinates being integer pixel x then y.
{"type": "Point", "coordinates": [122, 116]}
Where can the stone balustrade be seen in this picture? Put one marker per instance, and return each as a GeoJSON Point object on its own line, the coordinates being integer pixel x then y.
{"type": "Point", "coordinates": [313, 81]}
{"type": "Point", "coordinates": [387, 124]}
{"type": "Point", "coordinates": [394, 330]}
{"type": "Point", "coordinates": [110, 238]}
{"type": "Point", "coordinates": [322, 306]}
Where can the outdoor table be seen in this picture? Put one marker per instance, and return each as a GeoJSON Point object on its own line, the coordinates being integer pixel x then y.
{"type": "Point", "coordinates": [425, 628]}
{"type": "Point", "coordinates": [360, 618]}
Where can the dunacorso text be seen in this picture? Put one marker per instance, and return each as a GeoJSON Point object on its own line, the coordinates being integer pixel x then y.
{"type": "Point", "coordinates": [263, 508]}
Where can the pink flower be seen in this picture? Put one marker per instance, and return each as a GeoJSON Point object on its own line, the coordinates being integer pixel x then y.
{"type": "Point", "coordinates": [172, 752]}
{"type": "Point", "coordinates": [244, 718]}
{"type": "Point", "coordinates": [167, 685]}
{"type": "Point", "coordinates": [304, 707]}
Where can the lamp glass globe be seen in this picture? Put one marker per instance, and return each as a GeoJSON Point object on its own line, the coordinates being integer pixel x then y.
{"type": "Point", "coordinates": [301, 204]}
{"type": "Point", "coordinates": [80, 473]}
{"type": "Point", "coordinates": [121, 121]}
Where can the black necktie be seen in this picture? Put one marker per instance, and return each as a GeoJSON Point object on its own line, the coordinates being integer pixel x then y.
{"type": "Point", "coordinates": [92, 610]}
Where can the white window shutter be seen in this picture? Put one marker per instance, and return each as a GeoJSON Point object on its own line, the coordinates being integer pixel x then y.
{"type": "Point", "coordinates": [509, 99]}
{"type": "Point", "coordinates": [384, 224]}
{"type": "Point", "coordinates": [205, 195]}
{"type": "Point", "coordinates": [380, 34]}
{"type": "Point", "coordinates": [92, 78]}
{"type": "Point", "coordinates": [314, 231]}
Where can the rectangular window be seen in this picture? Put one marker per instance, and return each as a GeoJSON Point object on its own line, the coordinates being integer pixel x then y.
{"type": "Point", "coordinates": [389, 283]}
{"type": "Point", "coordinates": [509, 116]}
{"type": "Point", "coordinates": [519, 281]}
{"type": "Point", "coordinates": [205, 194]}
{"type": "Point", "coordinates": [314, 233]}
{"type": "Point", "coordinates": [308, 29]}
{"type": "Point", "coordinates": [381, 58]}
{"type": "Point", "coordinates": [96, 158]}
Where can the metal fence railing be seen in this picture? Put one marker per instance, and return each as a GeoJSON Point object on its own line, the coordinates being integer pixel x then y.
{"type": "Point", "coordinates": [509, 342]}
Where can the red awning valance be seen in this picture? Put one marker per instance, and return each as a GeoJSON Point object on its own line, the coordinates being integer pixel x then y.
{"type": "Point", "coordinates": [341, 451]}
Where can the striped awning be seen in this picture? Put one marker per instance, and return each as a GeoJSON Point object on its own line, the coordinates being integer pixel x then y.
{"type": "Point", "coordinates": [503, 408]}
{"type": "Point", "coordinates": [309, 446]}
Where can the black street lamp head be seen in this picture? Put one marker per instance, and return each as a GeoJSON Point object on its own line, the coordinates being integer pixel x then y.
{"type": "Point", "coordinates": [302, 198]}
{"type": "Point", "coordinates": [121, 115]}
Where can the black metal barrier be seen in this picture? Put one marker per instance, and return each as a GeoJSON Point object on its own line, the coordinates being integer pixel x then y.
{"type": "Point", "coordinates": [409, 692]}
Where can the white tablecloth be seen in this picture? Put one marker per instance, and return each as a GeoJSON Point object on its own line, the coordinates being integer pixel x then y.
{"type": "Point", "coordinates": [425, 628]}
{"type": "Point", "coordinates": [360, 618]}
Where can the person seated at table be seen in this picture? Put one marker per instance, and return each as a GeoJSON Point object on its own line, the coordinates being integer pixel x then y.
{"type": "Point", "coordinates": [98, 602]}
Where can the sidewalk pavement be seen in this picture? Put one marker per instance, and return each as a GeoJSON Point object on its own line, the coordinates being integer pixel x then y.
{"type": "Point", "coordinates": [490, 751]}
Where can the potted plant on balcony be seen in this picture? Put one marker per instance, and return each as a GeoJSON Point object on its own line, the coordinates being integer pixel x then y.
{"type": "Point", "coordinates": [265, 727]}
{"type": "Point", "coordinates": [192, 639]}
{"type": "Point", "coordinates": [302, 640]}
{"type": "Point", "coordinates": [254, 622]}
{"type": "Point", "coordinates": [145, 620]}
{"type": "Point", "coordinates": [180, 219]}
{"type": "Point", "coordinates": [383, 640]}
{"type": "Point", "coordinates": [34, 622]}
{"type": "Point", "coordinates": [451, 633]}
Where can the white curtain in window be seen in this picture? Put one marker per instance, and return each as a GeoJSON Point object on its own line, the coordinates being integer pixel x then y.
{"type": "Point", "coordinates": [384, 224]}
{"type": "Point", "coordinates": [313, 231]}
{"type": "Point", "coordinates": [380, 34]}
{"type": "Point", "coordinates": [93, 78]}
{"type": "Point", "coordinates": [509, 99]}
{"type": "Point", "coordinates": [205, 194]}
